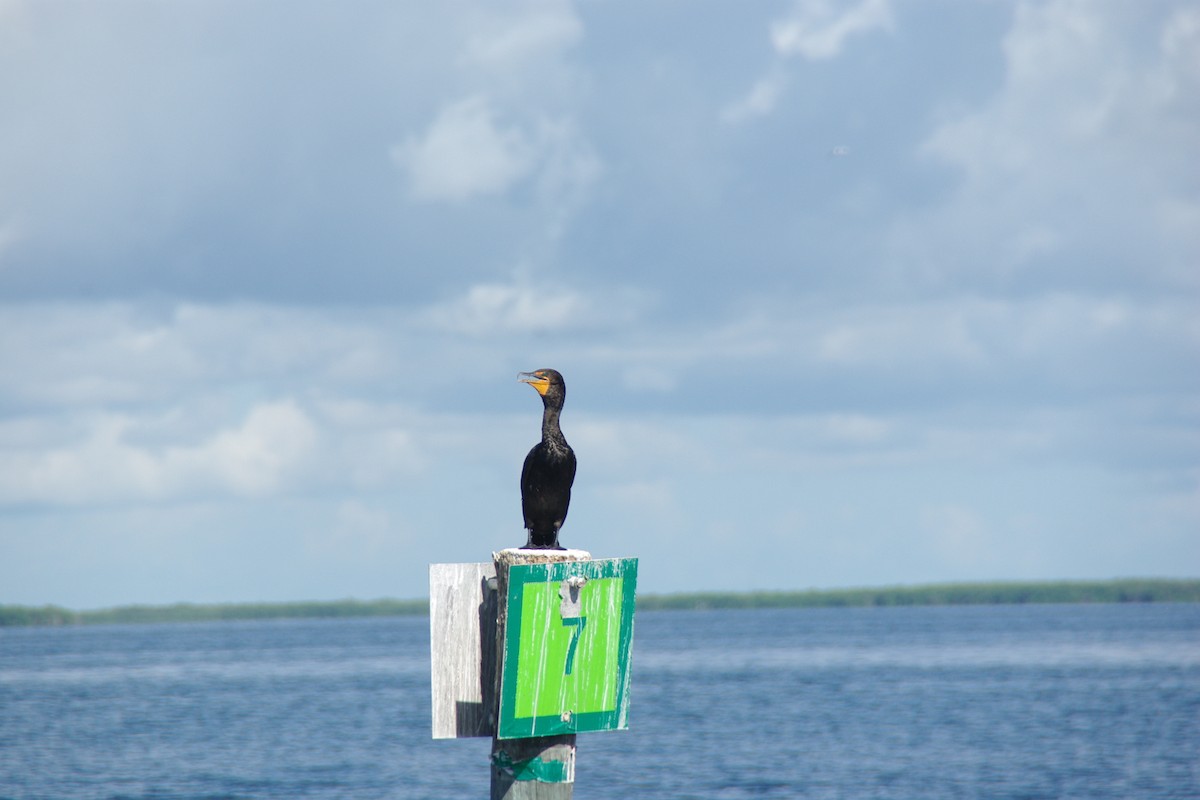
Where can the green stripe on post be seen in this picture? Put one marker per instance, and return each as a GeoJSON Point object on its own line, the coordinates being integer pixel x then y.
{"type": "Point", "coordinates": [532, 769]}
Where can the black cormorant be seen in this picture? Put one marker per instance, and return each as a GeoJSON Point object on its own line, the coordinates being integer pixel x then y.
{"type": "Point", "coordinates": [549, 468]}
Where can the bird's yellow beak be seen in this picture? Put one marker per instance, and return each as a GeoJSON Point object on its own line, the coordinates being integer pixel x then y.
{"type": "Point", "coordinates": [536, 380]}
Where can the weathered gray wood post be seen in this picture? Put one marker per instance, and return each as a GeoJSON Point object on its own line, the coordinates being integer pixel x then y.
{"type": "Point", "coordinates": [531, 649]}
{"type": "Point", "coordinates": [540, 767]}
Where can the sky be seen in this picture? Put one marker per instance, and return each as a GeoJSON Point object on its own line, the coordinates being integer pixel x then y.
{"type": "Point", "coordinates": [845, 293]}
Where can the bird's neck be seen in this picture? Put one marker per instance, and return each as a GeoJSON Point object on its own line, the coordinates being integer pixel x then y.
{"type": "Point", "coordinates": [551, 433]}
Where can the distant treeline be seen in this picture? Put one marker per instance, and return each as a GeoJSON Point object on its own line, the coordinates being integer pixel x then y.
{"type": "Point", "coordinates": [1131, 590]}
{"type": "Point", "coordinates": [189, 612]}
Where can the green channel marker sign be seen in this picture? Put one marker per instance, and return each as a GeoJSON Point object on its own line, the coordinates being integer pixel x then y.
{"type": "Point", "coordinates": [566, 648]}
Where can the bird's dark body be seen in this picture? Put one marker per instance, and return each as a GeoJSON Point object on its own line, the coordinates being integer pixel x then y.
{"type": "Point", "coordinates": [549, 469]}
{"type": "Point", "coordinates": [546, 492]}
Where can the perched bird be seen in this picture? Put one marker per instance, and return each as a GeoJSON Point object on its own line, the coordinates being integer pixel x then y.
{"type": "Point", "coordinates": [549, 468]}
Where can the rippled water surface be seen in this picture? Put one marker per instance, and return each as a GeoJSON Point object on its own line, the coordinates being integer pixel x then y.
{"type": "Point", "coordinates": [923, 703]}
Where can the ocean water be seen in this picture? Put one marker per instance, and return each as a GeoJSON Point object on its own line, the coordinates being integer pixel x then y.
{"type": "Point", "coordinates": [1088, 702]}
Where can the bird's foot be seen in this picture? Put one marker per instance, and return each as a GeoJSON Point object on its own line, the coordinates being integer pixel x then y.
{"type": "Point", "coordinates": [553, 544]}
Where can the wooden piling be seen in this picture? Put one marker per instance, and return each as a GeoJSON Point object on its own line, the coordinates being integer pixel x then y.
{"type": "Point", "coordinates": [538, 768]}
{"type": "Point", "coordinates": [531, 649]}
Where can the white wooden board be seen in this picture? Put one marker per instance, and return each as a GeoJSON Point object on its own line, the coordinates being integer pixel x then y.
{"type": "Point", "coordinates": [462, 625]}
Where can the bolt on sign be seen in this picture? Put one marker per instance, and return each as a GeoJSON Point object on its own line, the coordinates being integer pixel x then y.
{"type": "Point", "coordinates": [566, 648]}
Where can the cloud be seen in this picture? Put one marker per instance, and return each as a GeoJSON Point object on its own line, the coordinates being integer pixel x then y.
{"type": "Point", "coordinates": [818, 29]}
{"type": "Point", "coordinates": [488, 309]}
{"type": "Point", "coordinates": [253, 459]}
{"type": "Point", "coordinates": [856, 428]}
{"type": "Point", "coordinates": [525, 306]}
{"type": "Point", "coordinates": [464, 154]}
{"type": "Point", "coordinates": [1180, 78]}
{"type": "Point", "coordinates": [759, 101]}
{"type": "Point", "coordinates": [144, 355]}
{"type": "Point", "coordinates": [961, 341]}
{"type": "Point", "coordinates": [109, 466]}
{"type": "Point", "coordinates": [1078, 171]}
{"type": "Point", "coordinates": [511, 41]}
{"type": "Point", "coordinates": [517, 123]}
{"type": "Point", "coordinates": [815, 30]}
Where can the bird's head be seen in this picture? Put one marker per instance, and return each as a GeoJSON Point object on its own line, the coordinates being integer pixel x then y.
{"type": "Point", "coordinates": [547, 382]}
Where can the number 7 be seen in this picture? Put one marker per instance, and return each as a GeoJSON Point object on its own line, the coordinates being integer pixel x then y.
{"type": "Point", "coordinates": [579, 623]}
